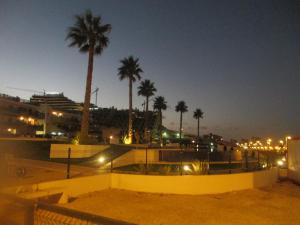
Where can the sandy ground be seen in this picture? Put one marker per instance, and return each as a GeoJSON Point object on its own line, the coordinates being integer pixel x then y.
{"type": "Point", "coordinates": [279, 204]}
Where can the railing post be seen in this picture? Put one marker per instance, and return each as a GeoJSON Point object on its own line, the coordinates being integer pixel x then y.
{"type": "Point", "coordinates": [258, 164]}
{"type": "Point", "coordinates": [146, 169]}
{"type": "Point", "coordinates": [111, 163]}
{"type": "Point", "coordinates": [208, 160]}
{"type": "Point", "coordinates": [246, 159]}
{"type": "Point", "coordinates": [29, 214]}
{"type": "Point", "coordinates": [69, 163]}
{"type": "Point", "coordinates": [229, 161]}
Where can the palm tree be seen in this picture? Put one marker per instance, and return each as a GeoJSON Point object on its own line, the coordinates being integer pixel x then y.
{"type": "Point", "coordinates": [147, 90]}
{"type": "Point", "coordinates": [197, 115]}
{"type": "Point", "coordinates": [131, 70]}
{"type": "Point", "coordinates": [182, 108]}
{"type": "Point", "coordinates": [159, 105]}
{"type": "Point", "coordinates": [89, 34]}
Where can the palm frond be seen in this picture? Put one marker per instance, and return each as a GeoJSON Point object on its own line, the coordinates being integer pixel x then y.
{"type": "Point", "coordinates": [88, 31]}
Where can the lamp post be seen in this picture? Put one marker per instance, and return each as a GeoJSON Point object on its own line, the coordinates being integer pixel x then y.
{"type": "Point", "coordinates": [286, 141]}
{"type": "Point", "coordinates": [269, 142]}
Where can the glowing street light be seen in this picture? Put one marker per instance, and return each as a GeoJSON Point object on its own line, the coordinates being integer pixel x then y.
{"type": "Point", "coordinates": [101, 159]}
{"type": "Point", "coordinates": [165, 134]}
{"type": "Point", "coordinates": [286, 141]}
{"type": "Point", "coordinates": [186, 168]}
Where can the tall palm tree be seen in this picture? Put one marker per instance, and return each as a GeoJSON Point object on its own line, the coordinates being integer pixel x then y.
{"type": "Point", "coordinates": [147, 90]}
{"type": "Point", "coordinates": [182, 108]}
{"type": "Point", "coordinates": [131, 70]}
{"type": "Point", "coordinates": [198, 113]}
{"type": "Point", "coordinates": [159, 105]}
{"type": "Point", "coordinates": [89, 34]}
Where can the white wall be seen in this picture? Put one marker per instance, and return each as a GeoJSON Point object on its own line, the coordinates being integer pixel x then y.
{"type": "Point", "coordinates": [188, 184]}
{"type": "Point", "coordinates": [202, 184]}
{"type": "Point", "coordinates": [294, 159]}
{"type": "Point", "coordinates": [77, 151]}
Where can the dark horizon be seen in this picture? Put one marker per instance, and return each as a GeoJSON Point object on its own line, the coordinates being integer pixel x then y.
{"type": "Point", "coordinates": [238, 62]}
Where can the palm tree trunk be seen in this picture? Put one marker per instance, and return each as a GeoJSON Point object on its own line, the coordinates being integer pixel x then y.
{"type": "Point", "coordinates": [180, 128]}
{"type": "Point", "coordinates": [130, 112]}
{"type": "Point", "coordinates": [146, 121]}
{"type": "Point", "coordinates": [160, 126]}
{"type": "Point", "coordinates": [198, 129]}
{"type": "Point", "coordinates": [86, 108]}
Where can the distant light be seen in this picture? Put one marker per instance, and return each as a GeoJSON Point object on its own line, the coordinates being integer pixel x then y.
{"type": "Point", "coordinates": [289, 137]}
{"type": "Point", "coordinates": [211, 143]}
{"type": "Point", "coordinates": [193, 141]}
{"type": "Point", "coordinates": [186, 168]}
{"type": "Point", "coordinates": [111, 137]}
{"type": "Point", "coordinates": [211, 150]}
{"type": "Point", "coordinates": [127, 140]}
{"type": "Point", "coordinates": [283, 159]}
{"type": "Point", "coordinates": [177, 134]}
{"type": "Point", "coordinates": [9, 130]}
{"type": "Point", "coordinates": [280, 163]}
{"type": "Point", "coordinates": [52, 93]}
{"type": "Point", "coordinates": [101, 159]}
{"type": "Point", "coordinates": [53, 133]}
{"type": "Point", "coordinates": [21, 118]}
{"type": "Point", "coordinates": [165, 134]}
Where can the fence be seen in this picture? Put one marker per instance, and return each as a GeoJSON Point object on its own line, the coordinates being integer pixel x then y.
{"type": "Point", "coordinates": [188, 162]}
{"type": "Point", "coordinates": [39, 213]}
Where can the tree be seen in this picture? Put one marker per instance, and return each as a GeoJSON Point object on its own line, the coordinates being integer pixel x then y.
{"type": "Point", "coordinates": [182, 108]}
{"type": "Point", "coordinates": [159, 105]}
{"type": "Point", "coordinates": [147, 90]}
{"type": "Point", "coordinates": [89, 34]}
{"type": "Point", "coordinates": [131, 70]}
{"type": "Point", "coordinates": [197, 115]}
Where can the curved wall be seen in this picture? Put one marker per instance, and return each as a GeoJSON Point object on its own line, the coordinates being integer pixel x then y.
{"type": "Point", "coordinates": [189, 184]}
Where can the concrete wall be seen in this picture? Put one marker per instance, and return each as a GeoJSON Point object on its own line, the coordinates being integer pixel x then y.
{"type": "Point", "coordinates": [203, 184]}
{"type": "Point", "coordinates": [77, 151]}
{"type": "Point", "coordinates": [69, 187]}
{"type": "Point", "coordinates": [192, 185]}
{"type": "Point", "coordinates": [137, 156]}
{"type": "Point", "coordinates": [294, 159]}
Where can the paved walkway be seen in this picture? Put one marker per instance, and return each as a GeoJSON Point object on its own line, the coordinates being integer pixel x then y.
{"type": "Point", "coordinates": [41, 171]}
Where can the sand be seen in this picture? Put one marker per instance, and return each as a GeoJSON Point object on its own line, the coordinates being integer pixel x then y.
{"type": "Point", "coordinates": [279, 204]}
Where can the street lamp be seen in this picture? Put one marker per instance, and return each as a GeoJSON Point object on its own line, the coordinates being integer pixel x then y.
{"type": "Point", "coordinates": [286, 141]}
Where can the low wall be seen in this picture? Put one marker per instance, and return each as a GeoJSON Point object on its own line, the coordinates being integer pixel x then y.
{"type": "Point", "coordinates": [188, 184]}
{"type": "Point", "coordinates": [69, 187]}
{"type": "Point", "coordinates": [77, 151]}
{"type": "Point", "coordinates": [202, 184]}
{"type": "Point", "coordinates": [294, 160]}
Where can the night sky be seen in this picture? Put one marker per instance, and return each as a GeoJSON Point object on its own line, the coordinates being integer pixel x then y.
{"type": "Point", "coordinates": [239, 61]}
